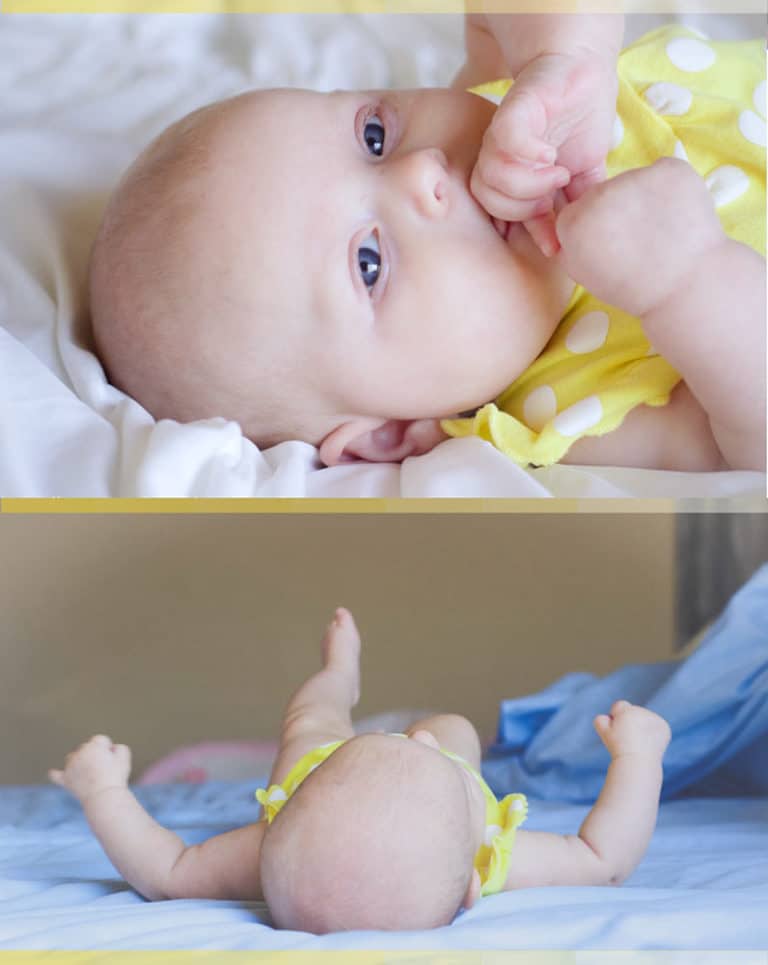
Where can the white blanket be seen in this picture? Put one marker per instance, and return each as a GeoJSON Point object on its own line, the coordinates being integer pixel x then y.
{"type": "Point", "coordinates": [81, 95]}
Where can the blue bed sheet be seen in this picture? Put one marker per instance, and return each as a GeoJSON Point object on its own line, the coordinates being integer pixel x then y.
{"type": "Point", "coordinates": [702, 884]}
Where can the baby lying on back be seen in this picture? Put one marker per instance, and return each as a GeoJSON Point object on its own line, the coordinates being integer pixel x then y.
{"type": "Point", "coordinates": [364, 271]}
{"type": "Point", "coordinates": [384, 831]}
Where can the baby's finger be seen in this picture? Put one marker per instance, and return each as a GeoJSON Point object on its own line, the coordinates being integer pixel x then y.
{"type": "Point", "coordinates": [619, 706]}
{"type": "Point", "coordinates": [56, 777]}
{"type": "Point", "coordinates": [520, 181]}
{"type": "Point", "coordinates": [602, 723]}
{"type": "Point", "coordinates": [504, 208]}
{"type": "Point", "coordinates": [122, 753]}
{"type": "Point", "coordinates": [101, 739]}
{"type": "Point", "coordinates": [542, 230]}
{"type": "Point", "coordinates": [517, 128]}
{"type": "Point", "coordinates": [579, 183]}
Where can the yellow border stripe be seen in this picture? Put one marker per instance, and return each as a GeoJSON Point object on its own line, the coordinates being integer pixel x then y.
{"type": "Point", "coordinates": [234, 506]}
{"type": "Point", "coordinates": [382, 6]}
{"type": "Point", "coordinates": [347, 506]}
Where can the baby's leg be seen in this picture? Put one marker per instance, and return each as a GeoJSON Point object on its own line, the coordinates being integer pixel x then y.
{"type": "Point", "coordinates": [452, 733]}
{"type": "Point", "coordinates": [319, 711]}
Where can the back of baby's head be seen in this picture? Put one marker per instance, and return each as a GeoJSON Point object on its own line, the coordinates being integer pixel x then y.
{"type": "Point", "coordinates": [183, 321]}
{"type": "Point", "coordinates": [378, 837]}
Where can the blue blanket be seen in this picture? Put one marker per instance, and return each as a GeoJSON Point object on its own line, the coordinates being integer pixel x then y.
{"type": "Point", "coordinates": [716, 701]}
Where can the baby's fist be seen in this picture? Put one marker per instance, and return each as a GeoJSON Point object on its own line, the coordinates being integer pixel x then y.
{"type": "Point", "coordinates": [633, 240]}
{"type": "Point", "coordinates": [94, 766]}
{"type": "Point", "coordinates": [630, 729]}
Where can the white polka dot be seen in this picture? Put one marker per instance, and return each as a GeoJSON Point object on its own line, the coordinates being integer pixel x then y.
{"type": "Point", "coordinates": [493, 98]}
{"type": "Point", "coordinates": [752, 127]}
{"type": "Point", "coordinates": [618, 132]}
{"type": "Point", "coordinates": [276, 794]}
{"type": "Point", "coordinates": [588, 334]}
{"type": "Point", "coordinates": [491, 830]}
{"type": "Point", "coordinates": [651, 351]}
{"type": "Point", "coordinates": [313, 768]}
{"type": "Point", "coordinates": [517, 805]}
{"type": "Point", "coordinates": [679, 151]}
{"type": "Point", "coordinates": [726, 184]}
{"type": "Point", "coordinates": [758, 98]}
{"type": "Point", "coordinates": [579, 417]}
{"type": "Point", "coordinates": [540, 407]}
{"type": "Point", "coordinates": [690, 55]}
{"type": "Point", "coordinates": [669, 98]}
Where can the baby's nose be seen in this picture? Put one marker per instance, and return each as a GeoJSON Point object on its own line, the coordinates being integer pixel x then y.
{"type": "Point", "coordinates": [424, 177]}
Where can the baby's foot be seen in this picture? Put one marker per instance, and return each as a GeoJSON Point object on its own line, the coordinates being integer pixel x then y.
{"type": "Point", "coordinates": [341, 649]}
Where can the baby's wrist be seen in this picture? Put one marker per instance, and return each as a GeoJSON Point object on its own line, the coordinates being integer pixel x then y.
{"type": "Point", "coordinates": [641, 756]}
{"type": "Point", "coordinates": [89, 797]}
{"type": "Point", "coordinates": [663, 306]}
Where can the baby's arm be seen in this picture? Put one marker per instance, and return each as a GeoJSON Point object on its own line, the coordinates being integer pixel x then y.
{"type": "Point", "coordinates": [616, 832]}
{"type": "Point", "coordinates": [319, 711]}
{"type": "Point", "coordinates": [152, 859]}
{"type": "Point", "coordinates": [500, 43]}
{"type": "Point", "coordinates": [650, 242]}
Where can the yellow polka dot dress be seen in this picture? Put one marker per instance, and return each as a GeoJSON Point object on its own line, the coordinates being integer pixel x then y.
{"type": "Point", "coordinates": [680, 95]}
{"type": "Point", "coordinates": [502, 818]}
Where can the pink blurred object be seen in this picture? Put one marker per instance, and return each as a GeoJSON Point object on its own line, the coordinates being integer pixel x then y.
{"type": "Point", "coordinates": [234, 760]}
{"type": "Point", "coordinates": [230, 760]}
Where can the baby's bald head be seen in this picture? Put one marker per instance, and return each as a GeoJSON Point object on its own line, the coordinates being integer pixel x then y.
{"type": "Point", "coordinates": [182, 320]}
{"type": "Point", "coordinates": [379, 837]}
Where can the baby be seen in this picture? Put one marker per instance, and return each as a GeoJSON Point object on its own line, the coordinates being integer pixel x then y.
{"type": "Point", "coordinates": [379, 831]}
{"type": "Point", "coordinates": [358, 270]}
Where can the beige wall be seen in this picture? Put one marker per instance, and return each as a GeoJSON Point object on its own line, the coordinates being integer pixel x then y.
{"type": "Point", "coordinates": [161, 630]}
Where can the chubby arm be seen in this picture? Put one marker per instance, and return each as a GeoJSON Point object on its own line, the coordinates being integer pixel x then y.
{"type": "Point", "coordinates": [616, 832]}
{"type": "Point", "coordinates": [501, 43]}
{"type": "Point", "coordinates": [712, 330]}
{"type": "Point", "coordinates": [650, 242]}
{"type": "Point", "coordinates": [152, 859]}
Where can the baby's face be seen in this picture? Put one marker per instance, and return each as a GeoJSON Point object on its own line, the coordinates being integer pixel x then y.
{"type": "Point", "coordinates": [374, 279]}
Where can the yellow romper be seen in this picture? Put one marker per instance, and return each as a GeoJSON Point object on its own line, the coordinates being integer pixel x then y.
{"type": "Point", "coordinates": [502, 818]}
{"type": "Point", "coordinates": [680, 95]}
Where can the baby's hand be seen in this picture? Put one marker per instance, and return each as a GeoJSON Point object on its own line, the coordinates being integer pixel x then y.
{"type": "Point", "coordinates": [552, 129]}
{"type": "Point", "coordinates": [630, 729]}
{"type": "Point", "coordinates": [633, 240]}
{"type": "Point", "coordinates": [96, 765]}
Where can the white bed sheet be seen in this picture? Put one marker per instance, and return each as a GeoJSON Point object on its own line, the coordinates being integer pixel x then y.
{"type": "Point", "coordinates": [81, 95]}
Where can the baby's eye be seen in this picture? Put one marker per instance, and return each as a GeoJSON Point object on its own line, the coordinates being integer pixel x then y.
{"type": "Point", "coordinates": [369, 260]}
{"type": "Point", "coordinates": [374, 134]}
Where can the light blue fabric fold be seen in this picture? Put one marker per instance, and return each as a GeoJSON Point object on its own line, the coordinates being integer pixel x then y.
{"type": "Point", "coordinates": [716, 702]}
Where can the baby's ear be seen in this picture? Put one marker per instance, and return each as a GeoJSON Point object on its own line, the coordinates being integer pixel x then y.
{"type": "Point", "coordinates": [380, 440]}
